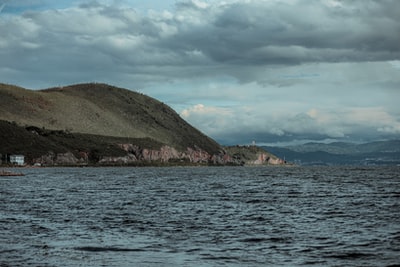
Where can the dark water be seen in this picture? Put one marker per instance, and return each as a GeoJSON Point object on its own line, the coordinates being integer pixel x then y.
{"type": "Point", "coordinates": [201, 217]}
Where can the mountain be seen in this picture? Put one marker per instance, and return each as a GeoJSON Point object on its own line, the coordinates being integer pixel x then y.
{"type": "Point", "coordinates": [101, 109]}
{"type": "Point", "coordinates": [349, 148]}
{"type": "Point", "coordinates": [101, 124]}
{"type": "Point", "coordinates": [340, 153]}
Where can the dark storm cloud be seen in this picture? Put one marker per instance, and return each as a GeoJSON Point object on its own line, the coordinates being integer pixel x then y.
{"type": "Point", "coordinates": [260, 32]}
{"type": "Point", "coordinates": [281, 68]}
{"type": "Point", "coordinates": [196, 34]}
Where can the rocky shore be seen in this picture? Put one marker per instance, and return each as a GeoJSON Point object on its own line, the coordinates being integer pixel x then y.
{"type": "Point", "coordinates": [166, 155]}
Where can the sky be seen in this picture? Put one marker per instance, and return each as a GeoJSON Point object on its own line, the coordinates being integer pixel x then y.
{"type": "Point", "coordinates": [276, 72]}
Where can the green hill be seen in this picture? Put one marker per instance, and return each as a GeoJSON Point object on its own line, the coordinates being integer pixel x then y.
{"type": "Point", "coordinates": [100, 109]}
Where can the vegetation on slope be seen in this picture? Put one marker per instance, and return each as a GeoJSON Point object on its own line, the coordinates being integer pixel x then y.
{"type": "Point", "coordinates": [33, 142]}
{"type": "Point", "coordinates": [103, 110]}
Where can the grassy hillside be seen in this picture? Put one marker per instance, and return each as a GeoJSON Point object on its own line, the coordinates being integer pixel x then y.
{"type": "Point", "coordinates": [34, 142]}
{"type": "Point", "coordinates": [101, 110]}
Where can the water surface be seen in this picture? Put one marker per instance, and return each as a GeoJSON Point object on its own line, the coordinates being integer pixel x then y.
{"type": "Point", "coordinates": [199, 216]}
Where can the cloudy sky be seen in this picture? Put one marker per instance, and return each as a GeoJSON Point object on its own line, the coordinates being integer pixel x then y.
{"type": "Point", "coordinates": [272, 71]}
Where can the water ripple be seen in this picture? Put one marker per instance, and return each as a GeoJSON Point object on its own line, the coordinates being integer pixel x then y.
{"type": "Point", "coordinates": [201, 217]}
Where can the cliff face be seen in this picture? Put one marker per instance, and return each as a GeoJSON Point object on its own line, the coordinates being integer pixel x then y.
{"type": "Point", "coordinates": [253, 155]}
{"type": "Point", "coordinates": [265, 158]}
{"type": "Point", "coordinates": [136, 155]}
{"type": "Point", "coordinates": [167, 154]}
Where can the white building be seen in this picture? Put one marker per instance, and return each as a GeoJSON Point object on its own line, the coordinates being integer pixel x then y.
{"type": "Point", "coordinates": [17, 159]}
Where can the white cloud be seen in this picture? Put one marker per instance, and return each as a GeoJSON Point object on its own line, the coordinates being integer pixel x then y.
{"type": "Point", "coordinates": [328, 123]}
{"type": "Point", "coordinates": [395, 64]}
{"type": "Point", "coordinates": [203, 110]}
{"type": "Point", "coordinates": [209, 119]}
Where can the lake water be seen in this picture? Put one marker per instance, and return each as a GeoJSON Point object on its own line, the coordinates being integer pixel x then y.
{"type": "Point", "coordinates": [201, 216]}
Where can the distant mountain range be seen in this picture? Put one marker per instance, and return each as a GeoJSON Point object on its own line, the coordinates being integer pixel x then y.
{"type": "Point", "coordinates": [99, 124]}
{"type": "Point", "coordinates": [340, 153]}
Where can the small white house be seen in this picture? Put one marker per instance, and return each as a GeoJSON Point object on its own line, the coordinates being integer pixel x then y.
{"type": "Point", "coordinates": [17, 159]}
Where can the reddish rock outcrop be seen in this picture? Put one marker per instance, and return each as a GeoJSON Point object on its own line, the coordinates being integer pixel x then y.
{"type": "Point", "coordinates": [165, 154]}
{"type": "Point", "coordinates": [263, 159]}
{"type": "Point", "coordinates": [52, 159]}
{"type": "Point", "coordinates": [128, 159]}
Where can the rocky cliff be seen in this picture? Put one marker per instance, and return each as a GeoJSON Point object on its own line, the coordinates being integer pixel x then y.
{"type": "Point", "coordinates": [253, 155]}
{"type": "Point", "coordinates": [166, 155]}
